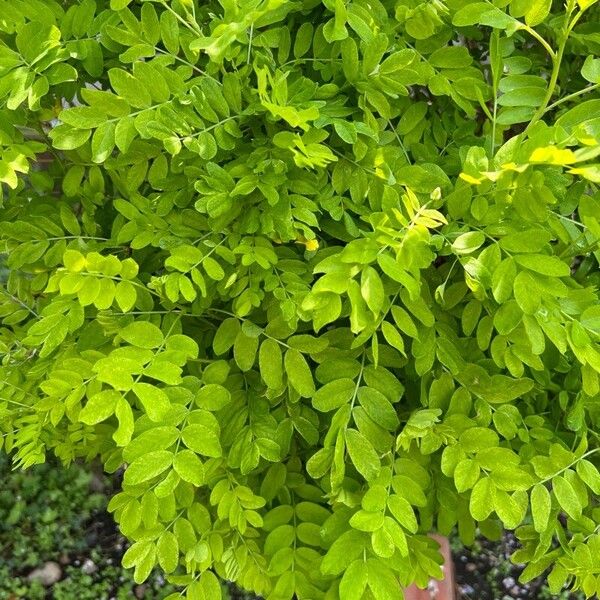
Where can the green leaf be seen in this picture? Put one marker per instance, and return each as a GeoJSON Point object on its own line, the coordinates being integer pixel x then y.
{"type": "Point", "coordinates": [362, 454]}
{"type": "Point", "coordinates": [333, 394]}
{"type": "Point", "coordinates": [403, 513]}
{"type": "Point", "coordinates": [203, 440]}
{"type": "Point", "coordinates": [591, 69]}
{"type": "Point", "coordinates": [478, 438]}
{"type": "Point", "coordinates": [546, 265]}
{"type": "Point", "coordinates": [99, 407]}
{"type": "Point", "coordinates": [226, 335]}
{"type": "Point", "coordinates": [299, 374]}
{"type": "Point", "coordinates": [366, 521]}
{"type": "Point", "coordinates": [129, 88]}
{"type": "Point", "coordinates": [451, 57]}
{"type": "Point", "coordinates": [371, 289]}
{"type": "Point", "coordinates": [537, 12]}
{"type": "Point", "coordinates": [207, 588]}
{"type": "Point", "coordinates": [383, 542]}
{"type": "Point", "coordinates": [580, 113]}
{"type": "Point", "coordinates": [148, 466]}
{"type": "Point", "coordinates": [125, 295]}
{"type": "Point", "coordinates": [510, 478]}
{"type": "Point", "coordinates": [189, 467]}
{"type": "Point", "coordinates": [566, 496]}
{"type": "Point", "coordinates": [541, 504]}
{"type": "Point", "coordinates": [213, 396]}
{"type": "Point", "coordinates": [169, 31]}
{"type": "Point", "coordinates": [271, 364]}
{"type": "Point", "coordinates": [342, 552]}
{"type": "Point", "coordinates": [83, 117]}
{"type": "Point", "coordinates": [466, 475]}
{"type": "Point", "coordinates": [526, 293]}
{"type": "Point", "coordinates": [74, 261]}
{"type": "Point", "coordinates": [382, 582]}
{"type": "Point", "coordinates": [346, 131]}
{"type": "Point", "coordinates": [531, 240]}
{"type": "Point", "coordinates": [466, 243]}
{"type": "Point", "coordinates": [354, 581]}
{"type": "Point", "coordinates": [150, 23]}
{"type": "Point", "coordinates": [164, 371]}
{"type": "Point", "coordinates": [125, 132]}
{"type": "Point", "coordinates": [122, 435]}
{"type": "Point", "coordinates": [395, 271]}
{"type": "Point", "coordinates": [64, 137]}
{"type": "Point", "coordinates": [393, 337]}
{"type": "Point", "coordinates": [507, 508]}
{"type": "Point", "coordinates": [503, 279]}
{"type": "Point", "coordinates": [557, 579]}
{"type": "Point", "coordinates": [507, 317]}
{"type": "Point", "coordinates": [167, 551]}
{"type": "Point", "coordinates": [155, 438]}
{"type": "Point", "coordinates": [404, 321]}
{"type": "Point", "coordinates": [119, 4]}
{"type": "Point", "coordinates": [303, 40]}
{"type": "Point", "coordinates": [213, 268]}
{"type": "Point", "coordinates": [136, 553]}
{"type": "Point", "coordinates": [483, 13]}
{"type": "Point", "coordinates": [105, 102]}
{"type": "Point", "coordinates": [319, 463]}
{"type": "Point", "coordinates": [378, 407]}
{"type": "Point", "coordinates": [103, 142]}
{"type": "Point", "coordinates": [499, 389]}
{"type": "Point", "coordinates": [154, 400]}
{"type": "Point", "coordinates": [482, 501]}
{"type": "Point", "coordinates": [244, 350]}
{"type": "Point", "coordinates": [589, 475]}
{"type": "Point", "coordinates": [142, 334]}
{"type": "Point", "coordinates": [375, 498]}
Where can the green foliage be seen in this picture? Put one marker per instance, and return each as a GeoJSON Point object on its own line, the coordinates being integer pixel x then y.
{"type": "Point", "coordinates": [321, 275]}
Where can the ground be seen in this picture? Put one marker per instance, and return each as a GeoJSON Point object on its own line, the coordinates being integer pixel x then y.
{"type": "Point", "coordinates": [43, 554]}
{"type": "Point", "coordinates": [485, 572]}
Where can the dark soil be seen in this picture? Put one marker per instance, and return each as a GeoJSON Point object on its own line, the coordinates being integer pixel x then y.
{"type": "Point", "coordinates": [485, 572]}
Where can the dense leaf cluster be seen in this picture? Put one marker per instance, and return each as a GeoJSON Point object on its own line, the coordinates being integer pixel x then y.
{"type": "Point", "coordinates": [321, 275]}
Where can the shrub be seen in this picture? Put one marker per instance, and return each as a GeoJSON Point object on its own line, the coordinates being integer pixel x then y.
{"type": "Point", "coordinates": [321, 275]}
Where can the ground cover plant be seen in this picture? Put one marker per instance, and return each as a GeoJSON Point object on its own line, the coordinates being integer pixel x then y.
{"type": "Point", "coordinates": [320, 276]}
{"type": "Point", "coordinates": [56, 517]}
